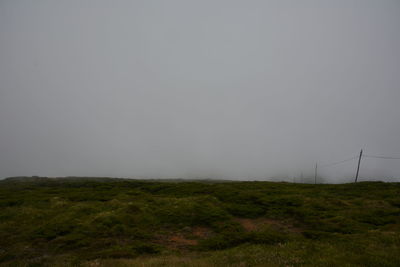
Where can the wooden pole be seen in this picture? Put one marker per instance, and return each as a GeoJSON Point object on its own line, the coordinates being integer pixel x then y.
{"type": "Point", "coordinates": [315, 176]}
{"type": "Point", "coordinates": [358, 166]}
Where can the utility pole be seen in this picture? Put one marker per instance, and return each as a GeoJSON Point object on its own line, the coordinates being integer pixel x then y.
{"type": "Point", "coordinates": [358, 167]}
{"type": "Point", "coordinates": [315, 176]}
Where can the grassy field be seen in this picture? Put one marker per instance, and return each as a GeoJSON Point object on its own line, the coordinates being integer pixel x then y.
{"type": "Point", "coordinates": [115, 222]}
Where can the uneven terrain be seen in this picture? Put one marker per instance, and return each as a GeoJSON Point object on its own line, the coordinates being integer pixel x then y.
{"type": "Point", "coordinates": [117, 222]}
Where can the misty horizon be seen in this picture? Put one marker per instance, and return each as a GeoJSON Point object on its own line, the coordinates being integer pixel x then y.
{"type": "Point", "coordinates": [236, 90]}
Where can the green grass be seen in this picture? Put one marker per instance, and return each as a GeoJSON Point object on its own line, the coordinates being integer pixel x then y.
{"type": "Point", "coordinates": [116, 222]}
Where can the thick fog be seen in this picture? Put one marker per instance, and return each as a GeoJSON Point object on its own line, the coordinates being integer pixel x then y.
{"type": "Point", "coordinates": [200, 89]}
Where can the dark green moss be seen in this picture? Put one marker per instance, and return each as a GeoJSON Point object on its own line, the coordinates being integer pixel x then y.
{"type": "Point", "coordinates": [42, 219]}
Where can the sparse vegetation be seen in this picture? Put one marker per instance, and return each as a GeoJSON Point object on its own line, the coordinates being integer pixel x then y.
{"type": "Point", "coordinates": [116, 222]}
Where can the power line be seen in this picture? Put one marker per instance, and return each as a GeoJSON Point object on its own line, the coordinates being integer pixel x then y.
{"type": "Point", "coordinates": [355, 157]}
{"type": "Point", "coordinates": [339, 162]}
{"type": "Point", "coordinates": [349, 159]}
{"type": "Point", "coordinates": [380, 157]}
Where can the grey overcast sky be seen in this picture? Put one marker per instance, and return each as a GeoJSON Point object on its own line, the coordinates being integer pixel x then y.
{"type": "Point", "coordinates": [212, 88]}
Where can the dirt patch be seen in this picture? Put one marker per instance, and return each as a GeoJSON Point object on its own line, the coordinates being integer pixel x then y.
{"type": "Point", "coordinates": [184, 239]}
{"type": "Point", "coordinates": [179, 241]}
{"type": "Point", "coordinates": [258, 223]}
{"type": "Point", "coordinates": [248, 224]}
{"type": "Point", "coordinates": [175, 241]}
{"type": "Point", "coordinates": [202, 232]}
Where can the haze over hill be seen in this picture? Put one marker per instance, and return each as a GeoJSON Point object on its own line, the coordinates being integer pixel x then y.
{"type": "Point", "coordinates": [208, 89]}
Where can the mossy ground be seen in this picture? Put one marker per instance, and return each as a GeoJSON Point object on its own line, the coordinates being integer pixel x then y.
{"type": "Point", "coordinates": [115, 222]}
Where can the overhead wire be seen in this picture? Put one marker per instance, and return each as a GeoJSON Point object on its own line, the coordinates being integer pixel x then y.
{"type": "Point", "coordinates": [355, 157]}
{"type": "Point", "coordinates": [380, 157]}
{"type": "Point", "coordinates": [338, 162]}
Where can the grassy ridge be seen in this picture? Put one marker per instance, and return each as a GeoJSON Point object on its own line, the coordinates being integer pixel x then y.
{"type": "Point", "coordinates": [129, 222]}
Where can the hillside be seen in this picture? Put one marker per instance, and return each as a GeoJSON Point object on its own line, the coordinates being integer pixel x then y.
{"type": "Point", "coordinates": [117, 222]}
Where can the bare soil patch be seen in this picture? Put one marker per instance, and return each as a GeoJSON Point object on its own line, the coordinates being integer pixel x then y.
{"type": "Point", "coordinates": [184, 239]}
{"type": "Point", "coordinates": [202, 232]}
{"type": "Point", "coordinates": [258, 223]}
